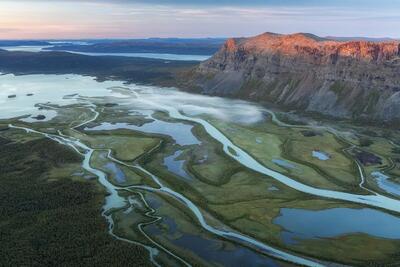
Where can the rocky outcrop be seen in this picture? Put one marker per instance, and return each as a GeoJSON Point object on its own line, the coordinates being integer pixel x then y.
{"type": "Point", "coordinates": [358, 79]}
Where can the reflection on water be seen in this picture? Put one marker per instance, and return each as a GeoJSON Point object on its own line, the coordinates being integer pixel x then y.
{"type": "Point", "coordinates": [180, 132]}
{"type": "Point", "coordinates": [210, 250]}
{"type": "Point", "coordinates": [320, 155]}
{"type": "Point", "coordinates": [301, 224]}
{"type": "Point", "coordinates": [40, 116]}
{"type": "Point", "coordinates": [46, 88]}
{"type": "Point", "coordinates": [385, 183]}
{"type": "Point", "coordinates": [119, 175]}
{"type": "Point", "coordinates": [176, 166]}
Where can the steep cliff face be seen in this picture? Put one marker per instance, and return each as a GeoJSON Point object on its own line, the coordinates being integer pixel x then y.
{"type": "Point", "coordinates": [302, 71]}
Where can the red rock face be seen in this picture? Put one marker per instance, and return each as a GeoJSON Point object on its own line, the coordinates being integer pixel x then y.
{"type": "Point", "coordinates": [356, 79]}
{"type": "Point", "coordinates": [302, 45]}
{"type": "Point", "coordinates": [230, 45]}
{"type": "Point", "coordinates": [369, 51]}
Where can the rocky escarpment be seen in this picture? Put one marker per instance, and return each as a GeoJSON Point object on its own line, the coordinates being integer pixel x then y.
{"type": "Point", "coordinates": [359, 80]}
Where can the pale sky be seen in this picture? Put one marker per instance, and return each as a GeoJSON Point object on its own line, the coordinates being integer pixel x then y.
{"type": "Point", "coordinates": [62, 19]}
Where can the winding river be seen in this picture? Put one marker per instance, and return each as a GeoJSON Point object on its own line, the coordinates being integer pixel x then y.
{"type": "Point", "coordinates": [115, 201]}
{"type": "Point", "coordinates": [238, 154]}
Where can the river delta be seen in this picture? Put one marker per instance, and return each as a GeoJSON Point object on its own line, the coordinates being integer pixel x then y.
{"type": "Point", "coordinates": [205, 181]}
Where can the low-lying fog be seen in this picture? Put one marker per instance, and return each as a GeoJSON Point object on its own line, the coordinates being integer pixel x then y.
{"type": "Point", "coordinates": [20, 94]}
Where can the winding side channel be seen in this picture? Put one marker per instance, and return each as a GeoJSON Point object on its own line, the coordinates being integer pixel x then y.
{"type": "Point", "coordinates": [246, 160]}
{"type": "Point", "coordinates": [114, 201]}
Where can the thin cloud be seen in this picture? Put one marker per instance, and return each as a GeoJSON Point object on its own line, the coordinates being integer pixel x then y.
{"type": "Point", "coordinates": [137, 19]}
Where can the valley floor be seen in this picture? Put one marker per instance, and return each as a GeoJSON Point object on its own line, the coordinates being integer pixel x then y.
{"type": "Point", "coordinates": [177, 184]}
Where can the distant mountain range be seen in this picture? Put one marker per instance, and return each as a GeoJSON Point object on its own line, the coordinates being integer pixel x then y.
{"type": "Point", "coordinates": [354, 79]}
{"type": "Point", "coordinates": [183, 46]}
{"type": "Point", "coordinates": [368, 39]}
{"type": "Point", "coordinates": [4, 43]}
{"type": "Point", "coordinates": [153, 45]}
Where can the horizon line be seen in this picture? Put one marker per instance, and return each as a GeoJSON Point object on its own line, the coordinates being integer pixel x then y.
{"type": "Point", "coordinates": [190, 37]}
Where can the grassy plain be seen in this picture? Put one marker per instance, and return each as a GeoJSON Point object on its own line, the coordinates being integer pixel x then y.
{"type": "Point", "coordinates": [268, 142]}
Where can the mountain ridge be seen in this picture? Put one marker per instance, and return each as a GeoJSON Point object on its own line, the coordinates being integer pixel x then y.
{"type": "Point", "coordinates": [355, 79]}
{"type": "Point", "coordinates": [292, 44]}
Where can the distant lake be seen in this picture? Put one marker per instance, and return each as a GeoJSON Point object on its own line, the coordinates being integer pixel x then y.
{"type": "Point", "coordinates": [32, 48]}
{"type": "Point", "coordinates": [141, 55]}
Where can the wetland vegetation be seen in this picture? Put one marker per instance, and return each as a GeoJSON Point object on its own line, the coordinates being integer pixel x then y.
{"type": "Point", "coordinates": [160, 177]}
